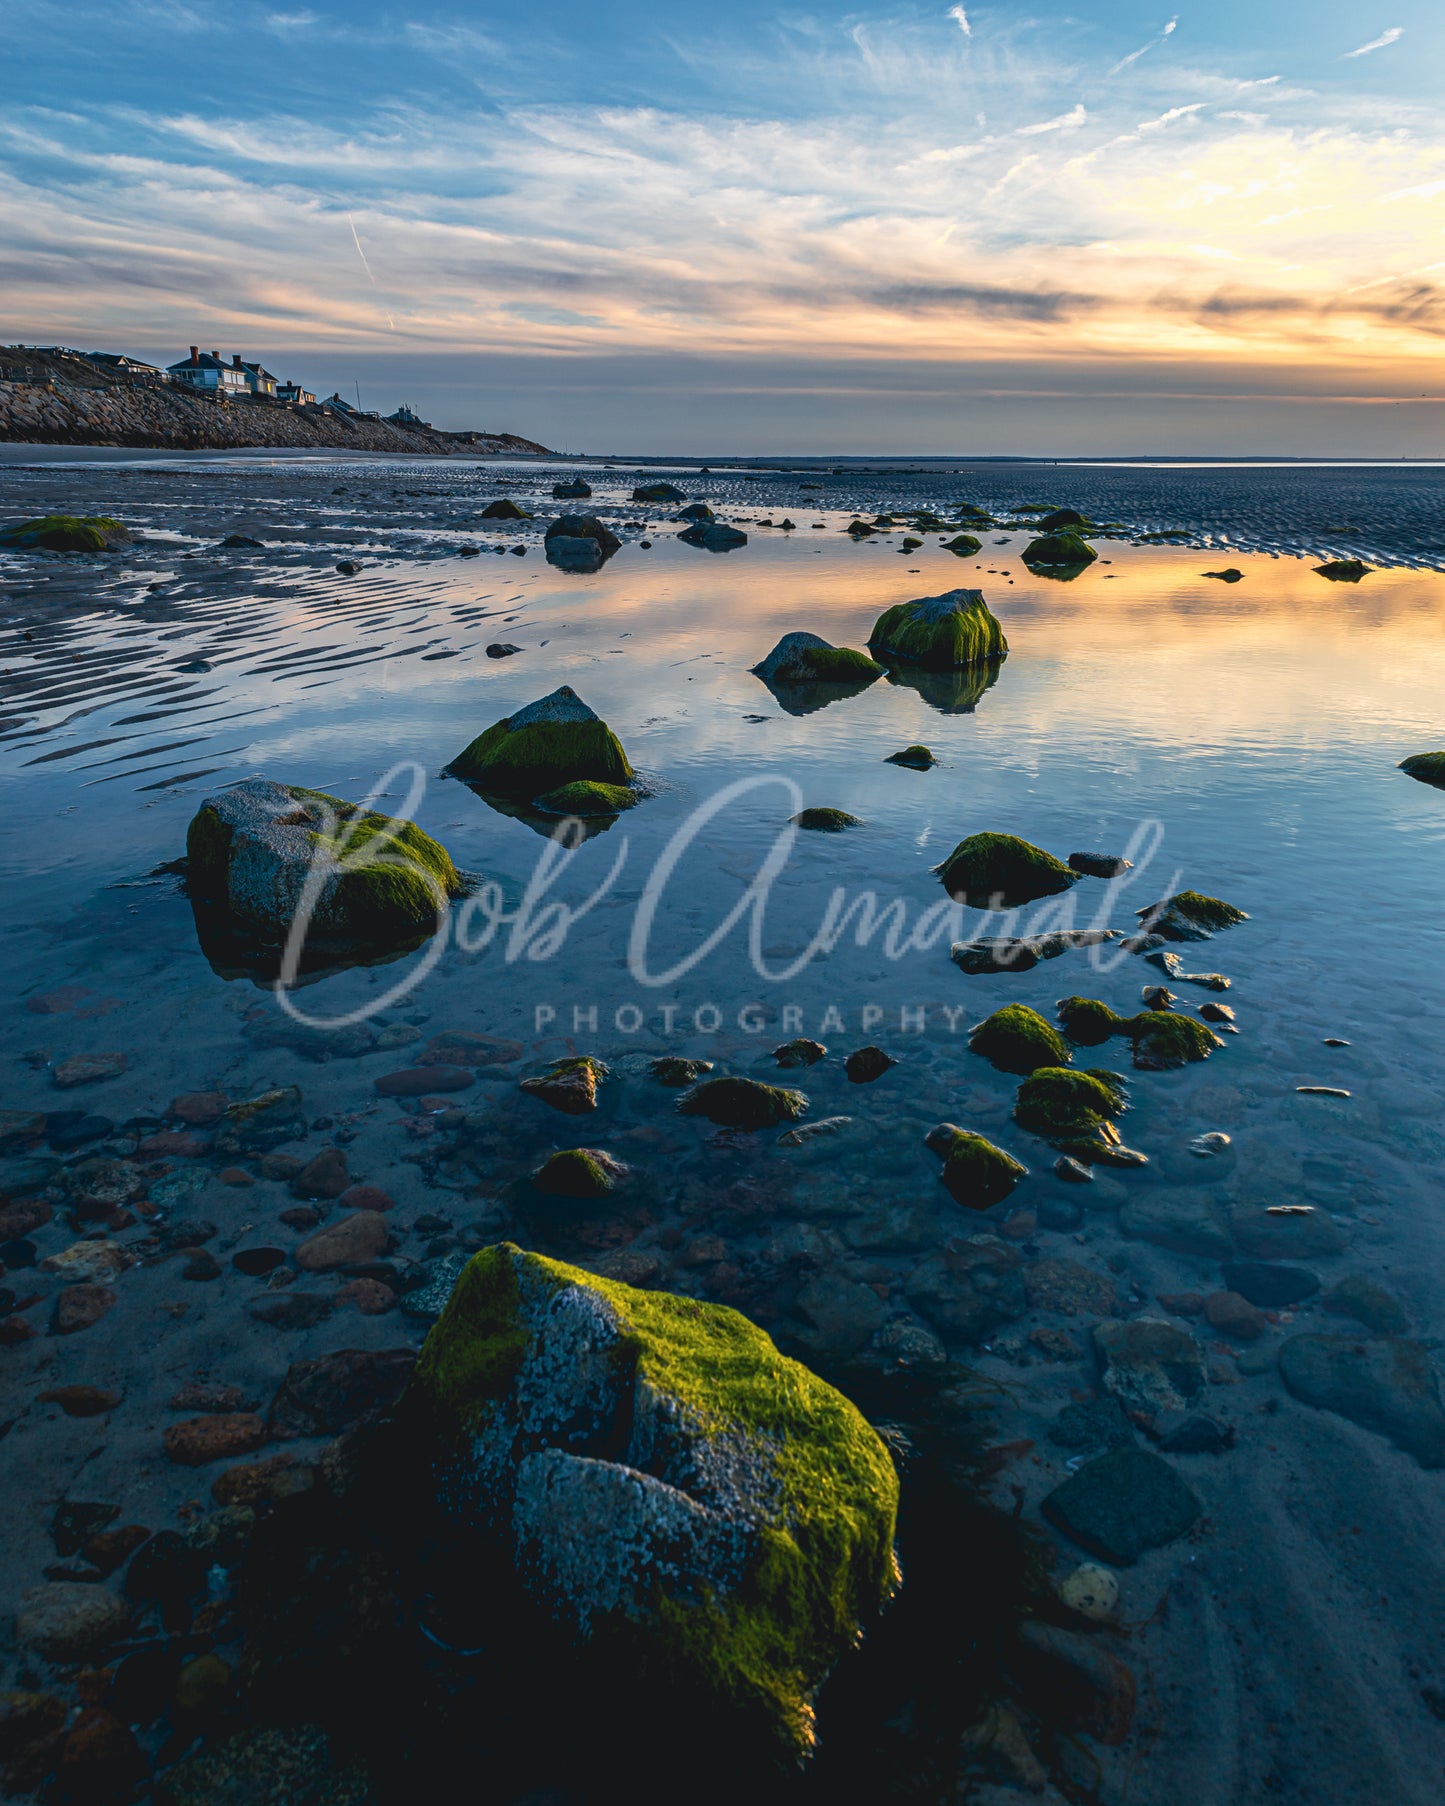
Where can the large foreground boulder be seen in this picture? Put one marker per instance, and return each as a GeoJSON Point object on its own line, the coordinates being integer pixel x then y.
{"type": "Point", "coordinates": [66, 533]}
{"type": "Point", "coordinates": [687, 1501]}
{"type": "Point", "coordinates": [557, 740]}
{"type": "Point", "coordinates": [579, 542]}
{"type": "Point", "coordinates": [250, 850]}
{"type": "Point", "coordinates": [939, 632]}
{"type": "Point", "coordinates": [990, 871]}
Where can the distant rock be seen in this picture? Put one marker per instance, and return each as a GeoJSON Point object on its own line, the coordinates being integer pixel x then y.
{"type": "Point", "coordinates": [66, 533]}
{"type": "Point", "coordinates": [574, 490]}
{"type": "Point", "coordinates": [504, 509]}
{"type": "Point", "coordinates": [658, 492]}
{"type": "Point", "coordinates": [1062, 551]}
{"type": "Point", "coordinates": [1343, 570]}
{"type": "Point", "coordinates": [1232, 575]}
{"type": "Point", "coordinates": [713, 536]}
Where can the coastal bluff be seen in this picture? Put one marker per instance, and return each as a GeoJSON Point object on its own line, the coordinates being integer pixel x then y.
{"type": "Point", "coordinates": [46, 400]}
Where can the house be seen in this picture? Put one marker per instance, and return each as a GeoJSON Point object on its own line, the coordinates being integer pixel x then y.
{"type": "Point", "coordinates": [206, 371]}
{"type": "Point", "coordinates": [293, 392]}
{"type": "Point", "coordinates": [404, 417]}
{"type": "Point", "coordinates": [342, 406]}
{"type": "Point", "coordinates": [259, 380]}
{"type": "Point", "coordinates": [125, 366]}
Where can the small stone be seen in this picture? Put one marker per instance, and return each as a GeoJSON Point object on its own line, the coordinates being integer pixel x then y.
{"type": "Point", "coordinates": [867, 1064]}
{"type": "Point", "coordinates": [202, 1685]}
{"type": "Point", "coordinates": [802, 1133]}
{"type": "Point", "coordinates": [1100, 865]}
{"type": "Point", "coordinates": [15, 1330]}
{"type": "Point", "coordinates": [1268, 1285]}
{"type": "Point", "coordinates": [200, 1395]}
{"type": "Point", "coordinates": [1055, 1345]}
{"type": "Point", "coordinates": [234, 1175]}
{"type": "Point", "coordinates": [254, 1262]}
{"type": "Point", "coordinates": [1251, 1362]}
{"type": "Point", "coordinates": [94, 1258]}
{"type": "Point", "coordinates": [677, 1073]}
{"type": "Point", "coordinates": [199, 1109]}
{"type": "Point", "coordinates": [1073, 1170]}
{"type": "Point", "coordinates": [1268, 1235]}
{"type": "Point", "coordinates": [261, 1123]}
{"type": "Point", "coordinates": [370, 1296]}
{"type": "Point", "coordinates": [1216, 1012]}
{"type": "Point", "coordinates": [263, 1482]}
{"type": "Point", "coordinates": [283, 1167]}
{"type": "Point", "coordinates": [1098, 1423]}
{"type": "Point", "coordinates": [324, 1177]}
{"type": "Point", "coordinates": [65, 1621]}
{"type": "Point", "coordinates": [1091, 1591]}
{"type": "Point", "coordinates": [80, 1307]}
{"type": "Point", "coordinates": [800, 1053]}
{"type": "Point", "coordinates": [81, 1401]}
{"type": "Point", "coordinates": [1380, 1311]}
{"type": "Point", "coordinates": [291, 1310]}
{"type": "Point", "coordinates": [417, 1081]}
{"type": "Point", "coordinates": [570, 1086]}
{"type": "Point", "coordinates": [1181, 1304]}
{"type": "Point", "coordinates": [1157, 997]}
{"type": "Point", "coordinates": [300, 1216]}
{"type": "Point", "coordinates": [348, 1243]}
{"type": "Point", "coordinates": [1215, 1142]}
{"type": "Point", "coordinates": [365, 1197]}
{"type": "Point", "coordinates": [88, 1069]}
{"type": "Point", "coordinates": [108, 1550]}
{"type": "Point", "coordinates": [214, 1438]}
{"type": "Point", "coordinates": [1069, 1288]}
{"type": "Point", "coordinates": [842, 1313]}
{"type": "Point", "coordinates": [1192, 1433]}
{"type": "Point", "coordinates": [201, 1266]}
{"type": "Point", "coordinates": [1150, 1365]}
{"type": "Point", "coordinates": [1234, 1315]}
{"type": "Point", "coordinates": [1121, 1504]}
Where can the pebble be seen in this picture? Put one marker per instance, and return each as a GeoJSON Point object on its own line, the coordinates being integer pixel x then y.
{"type": "Point", "coordinates": [324, 1177]}
{"type": "Point", "coordinates": [81, 1401]}
{"type": "Point", "coordinates": [199, 1109]}
{"type": "Point", "coordinates": [1069, 1288]}
{"type": "Point", "coordinates": [1100, 865]}
{"type": "Point", "coordinates": [1092, 1591]}
{"type": "Point", "coordinates": [172, 1144]}
{"type": "Point", "coordinates": [1234, 1315]}
{"type": "Point", "coordinates": [301, 1216]}
{"type": "Point", "coordinates": [90, 1259]}
{"type": "Point", "coordinates": [1215, 1142]}
{"type": "Point", "coordinates": [1121, 1504]}
{"type": "Point", "coordinates": [867, 1064]}
{"type": "Point", "coordinates": [65, 1621]}
{"type": "Point", "coordinates": [371, 1297]}
{"type": "Point", "coordinates": [365, 1197]}
{"type": "Point", "coordinates": [1149, 1365]}
{"type": "Point", "coordinates": [217, 1437]}
{"type": "Point", "coordinates": [201, 1265]}
{"type": "Point", "coordinates": [80, 1307]}
{"type": "Point", "coordinates": [1216, 1012]}
{"type": "Point", "coordinates": [254, 1262]}
{"type": "Point", "coordinates": [354, 1239]}
{"type": "Point", "coordinates": [1073, 1170]}
{"type": "Point", "coordinates": [88, 1069]}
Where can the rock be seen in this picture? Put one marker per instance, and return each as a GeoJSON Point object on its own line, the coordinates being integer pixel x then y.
{"type": "Point", "coordinates": [290, 1310]}
{"type": "Point", "coordinates": [1099, 1423]}
{"type": "Point", "coordinates": [1091, 1591]}
{"type": "Point", "coordinates": [866, 1064]}
{"type": "Point", "coordinates": [1072, 1679]}
{"type": "Point", "coordinates": [252, 849]}
{"type": "Point", "coordinates": [1181, 1304]}
{"type": "Point", "coordinates": [574, 489]}
{"type": "Point", "coordinates": [1149, 1365]}
{"type": "Point", "coordinates": [1216, 1012]}
{"type": "Point", "coordinates": [978, 1175]}
{"type": "Point", "coordinates": [200, 1395]}
{"type": "Point", "coordinates": [282, 1167]}
{"type": "Point", "coordinates": [172, 1144]}
{"type": "Point", "coordinates": [742, 1103]}
{"type": "Point", "coordinates": [421, 1081]}
{"type": "Point", "coordinates": [569, 1085]}
{"type": "Point", "coordinates": [1234, 1315]}
{"type": "Point", "coordinates": [1192, 1433]}
{"type": "Point", "coordinates": [991, 871]}
{"type": "Point", "coordinates": [579, 1173]}
{"type": "Point", "coordinates": [1215, 1142]}
{"type": "Point", "coordinates": [202, 1686]}
{"type": "Point", "coordinates": [1017, 1039]}
{"type": "Point", "coordinates": [1268, 1235]}
{"type": "Point", "coordinates": [201, 1266]}
{"type": "Point", "coordinates": [843, 1314]}
{"type": "Point", "coordinates": [66, 1621]}
{"type": "Point", "coordinates": [555, 741]}
{"type": "Point", "coordinates": [825, 821]}
{"type": "Point", "coordinates": [1100, 865]}
{"type": "Point", "coordinates": [1004, 953]}
{"type": "Point", "coordinates": [1343, 570]}
{"type": "Point", "coordinates": [215, 1438]}
{"type": "Point", "coordinates": [263, 1483]}
{"type": "Point", "coordinates": [800, 1053]}
{"type": "Point", "coordinates": [906, 1344]}
{"type": "Point", "coordinates": [1232, 574]}
{"type": "Point", "coordinates": [339, 1391]}
{"type": "Point", "coordinates": [66, 533]}
{"type": "Point", "coordinates": [1171, 964]}
{"type": "Point", "coordinates": [1429, 767]}
{"type": "Point", "coordinates": [713, 536]}
{"type": "Point", "coordinates": [1061, 1214]}
{"type": "Point", "coordinates": [1188, 1222]}
{"type": "Point", "coordinates": [348, 567]}
{"type": "Point", "coordinates": [362, 1197]}
{"type": "Point", "coordinates": [814, 1131]}
{"type": "Point", "coordinates": [430, 1298]}
{"type": "Point", "coordinates": [347, 1243]}
{"type": "Point", "coordinates": [1383, 1383]}
{"type": "Point", "coordinates": [1070, 1107]}
{"type": "Point", "coordinates": [579, 542]}
{"type": "Point", "coordinates": [502, 649]}
{"type": "Point", "coordinates": [81, 1401]}
{"type": "Point", "coordinates": [1122, 1504]}
{"type": "Point", "coordinates": [1063, 551]}
{"type": "Point", "coordinates": [288, 1767]}
{"type": "Point", "coordinates": [324, 1177]}
{"type": "Point", "coordinates": [261, 1123]}
{"type": "Point", "coordinates": [461, 1047]}
{"type": "Point", "coordinates": [670, 1070]}
{"type": "Point", "coordinates": [1055, 1345]}
{"type": "Point", "coordinates": [1074, 1171]}
{"type": "Point", "coordinates": [915, 758]}
{"type": "Point", "coordinates": [525, 1381]}
{"type": "Point", "coordinates": [804, 658]}
{"type": "Point", "coordinates": [87, 1069]}
{"type": "Point", "coordinates": [588, 800]}
{"type": "Point", "coordinates": [23, 1218]}
{"type": "Point", "coordinates": [504, 509]}
{"type": "Point", "coordinates": [695, 511]}
{"type": "Point", "coordinates": [1189, 916]}
{"type": "Point", "coordinates": [80, 1307]}
{"type": "Point", "coordinates": [969, 1290]}
{"type": "Point", "coordinates": [1269, 1286]}
{"type": "Point", "coordinates": [1380, 1311]}
{"type": "Point", "coordinates": [1164, 1041]}
{"type": "Point", "coordinates": [658, 492]}
{"type": "Point", "coordinates": [95, 1259]}
{"type": "Point", "coordinates": [1069, 1288]}
{"type": "Point", "coordinates": [372, 1297]}
{"type": "Point", "coordinates": [940, 633]}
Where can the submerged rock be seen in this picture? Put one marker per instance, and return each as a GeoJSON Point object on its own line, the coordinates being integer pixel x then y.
{"type": "Point", "coordinates": [1188, 917]}
{"type": "Point", "coordinates": [1017, 1039]}
{"type": "Point", "coordinates": [940, 632]}
{"type": "Point", "coordinates": [1100, 865]}
{"type": "Point", "coordinates": [1122, 1504]}
{"type": "Point", "coordinates": [66, 533]}
{"type": "Point", "coordinates": [554, 741]}
{"type": "Point", "coordinates": [1002, 953]}
{"type": "Point", "coordinates": [666, 1484]}
{"type": "Point", "coordinates": [1382, 1383]}
{"type": "Point", "coordinates": [1380, 1311]}
{"type": "Point", "coordinates": [971, 1289]}
{"type": "Point", "coordinates": [805, 658]}
{"type": "Point", "coordinates": [977, 1174]}
{"type": "Point", "coordinates": [916, 758]}
{"type": "Point", "coordinates": [963, 545]}
{"type": "Point", "coordinates": [1149, 1365]}
{"type": "Point", "coordinates": [866, 1064]}
{"type": "Point", "coordinates": [826, 821]}
{"type": "Point", "coordinates": [251, 849]}
{"type": "Point", "coordinates": [672, 1070]}
{"type": "Point", "coordinates": [800, 1053]}
{"type": "Point", "coordinates": [1270, 1286]}
{"type": "Point", "coordinates": [587, 799]}
{"type": "Point", "coordinates": [579, 1173]}
{"type": "Point", "coordinates": [1067, 1107]}
{"type": "Point", "coordinates": [742, 1103]}
{"type": "Point", "coordinates": [1429, 768]}
{"type": "Point", "coordinates": [1187, 1222]}
{"type": "Point", "coordinates": [1163, 1040]}
{"type": "Point", "coordinates": [575, 489]}
{"type": "Point", "coordinates": [991, 871]}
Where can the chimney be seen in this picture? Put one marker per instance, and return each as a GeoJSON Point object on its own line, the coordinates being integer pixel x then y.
{"type": "Point", "coordinates": [195, 353]}
{"type": "Point", "coordinates": [217, 356]}
{"type": "Point", "coordinates": [235, 360]}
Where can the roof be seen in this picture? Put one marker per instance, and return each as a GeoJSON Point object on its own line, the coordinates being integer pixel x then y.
{"type": "Point", "coordinates": [200, 360]}
{"type": "Point", "coordinates": [259, 370]}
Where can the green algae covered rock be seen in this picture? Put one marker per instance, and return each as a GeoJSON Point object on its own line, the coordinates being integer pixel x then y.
{"type": "Point", "coordinates": [978, 1175]}
{"type": "Point", "coordinates": [1059, 551]}
{"type": "Point", "coordinates": [1017, 1039]}
{"type": "Point", "coordinates": [939, 632]}
{"type": "Point", "coordinates": [963, 544]}
{"type": "Point", "coordinates": [1190, 908]}
{"type": "Point", "coordinates": [251, 848]}
{"type": "Point", "coordinates": [586, 798]}
{"type": "Point", "coordinates": [1343, 570]}
{"type": "Point", "coordinates": [916, 758]}
{"type": "Point", "coordinates": [1428, 767]}
{"type": "Point", "coordinates": [693, 1507]}
{"type": "Point", "coordinates": [988, 870]}
{"type": "Point", "coordinates": [742, 1103]}
{"type": "Point", "coordinates": [66, 533]}
{"type": "Point", "coordinates": [1063, 1107]}
{"type": "Point", "coordinates": [658, 492]}
{"type": "Point", "coordinates": [579, 1173]}
{"type": "Point", "coordinates": [1087, 1022]}
{"type": "Point", "coordinates": [825, 821]}
{"type": "Point", "coordinates": [505, 509]}
{"type": "Point", "coordinates": [557, 740]}
{"type": "Point", "coordinates": [805, 658]}
{"type": "Point", "coordinates": [1163, 1040]}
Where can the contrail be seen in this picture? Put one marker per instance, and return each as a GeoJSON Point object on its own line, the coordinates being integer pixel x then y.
{"type": "Point", "coordinates": [364, 264]}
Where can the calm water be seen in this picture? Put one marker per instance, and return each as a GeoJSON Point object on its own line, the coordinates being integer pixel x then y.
{"type": "Point", "coordinates": [1258, 724]}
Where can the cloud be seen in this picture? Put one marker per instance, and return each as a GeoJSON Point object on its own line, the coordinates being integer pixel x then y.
{"type": "Point", "coordinates": [290, 25]}
{"type": "Point", "coordinates": [1064, 122]}
{"type": "Point", "coordinates": [1144, 49]}
{"type": "Point", "coordinates": [1391, 36]}
{"type": "Point", "coordinates": [961, 17]}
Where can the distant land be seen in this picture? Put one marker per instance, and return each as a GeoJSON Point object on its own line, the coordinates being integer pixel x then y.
{"type": "Point", "coordinates": [62, 397]}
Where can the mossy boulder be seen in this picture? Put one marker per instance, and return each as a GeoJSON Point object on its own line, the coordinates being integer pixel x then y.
{"type": "Point", "coordinates": [1087, 1022]}
{"type": "Point", "coordinates": [1189, 916]}
{"type": "Point", "coordinates": [694, 1508]}
{"type": "Point", "coordinates": [939, 633]}
{"type": "Point", "coordinates": [658, 492]}
{"type": "Point", "coordinates": [579, 1173]}
{"type": "Point", "coordinates": [977, 1174]}
{"type": "Point", "coordinates": [1429, 768]}
{"type": "Point", "coordinates": [1343, 570]}
{"type": "Point", "coordinates": [1062, 1106]}
{"type": "Point", "coordinates": [1017, 1039]}
{"type": "Point", "coordinates": [991, 869]}
{"type": "Point", "coordinates": [675, 1071]}
{"type": "Point", "coordinates": [1058, 551]}
{"type": "Point", "coordinates": [805, 658]}
{"type": "Point", "coordinates": [586, 798]}
{"type": "Point", "coordinates": [505, 509]}
{"type": "Point", "coordinates": [825, 821]}
{"type": "Point", "coordinates": [250, 850]}
{"type": "Point", "coordinates": [964, 545]}
{"type": "Point", "coordinates": [1163, 1040]}
{"type": "Point", "coordinates": [742, 1103]}
{"type": "Point", "coordinates": [695, 511]}
{"type": "Point", "coordinates": [916, 758]}
{"type": "Point", "coordinates": [1063, 520]}
{"type": "Point", "coordinates": [557, 740]}
{"type": "Point", "coordinates": [66, 533]}
{"type": "Point", "coordinates": [575, 490]}
{"type": "Point", "coordinates": [568, 1085]}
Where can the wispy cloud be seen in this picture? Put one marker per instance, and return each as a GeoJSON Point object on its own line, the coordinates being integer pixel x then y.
{"type": "Point", "coordinates": [957, 14]}
{"type": "Point", "coordinates": [1076, 116]}
{"type": "Point", "coordinates": [1144, 49]}
{"type": "Point", "coordinates": [1392, 36]}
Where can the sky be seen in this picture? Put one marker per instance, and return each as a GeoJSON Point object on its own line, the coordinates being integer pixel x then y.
{"type": "Point", "coordinates": [928, 228]}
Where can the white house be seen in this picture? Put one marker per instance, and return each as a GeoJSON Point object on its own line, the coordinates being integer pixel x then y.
{"type": "Point", "coordinates": [207, 371]}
